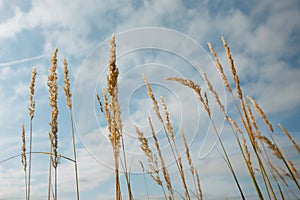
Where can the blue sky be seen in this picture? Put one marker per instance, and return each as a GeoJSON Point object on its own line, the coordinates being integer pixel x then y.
{"type": "Point", "coordinates": [156, 38]}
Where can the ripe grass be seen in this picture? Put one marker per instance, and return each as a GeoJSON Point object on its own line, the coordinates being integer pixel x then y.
{"type": "Point", "coordinates": [31, 115]}
{"type": "Point", "coordinates": [24, 159]}
{"type": "Point", "coordinates": [69, 105]}
{"type": "Point", "coordinates": [259, 148]}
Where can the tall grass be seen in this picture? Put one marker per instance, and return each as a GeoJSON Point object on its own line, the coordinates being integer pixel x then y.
{"type": "Point", "coordinates": [259, 148]}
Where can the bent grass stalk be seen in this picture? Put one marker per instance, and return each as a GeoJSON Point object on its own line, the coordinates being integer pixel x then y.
{"type": "Point", "coordinates": [111, 112]}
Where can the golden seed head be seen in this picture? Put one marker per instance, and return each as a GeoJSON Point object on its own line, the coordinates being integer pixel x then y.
{"type": "Point", "coordinates": [31, 94]}
{"type": "Point", "coordinates": [233, 70]}
{"type": "Point", "coordinates": [193, 86]}
{"type": "Point", "coordinates": [23, 153]}
{"type": "Point", "coordinates": [296, 146]}
{"type": "Point", "coordinates": [261, 112]}
{"type": "Point", "coordinates": [188, 156]}
{"type": "Point", "coordinates": [113, 70]}
{"type": "Point", "coordinates": [211, 88]}
{"type": "Point", "coordinates": [151, 95]}
{"type": "Point", "coordinates": [67, 85]}
{"type": "Point", "coordinates": [53, 94]}
{"type": "Point", "coordinates": [220, 68]}
{"type": "Point", "coordinates": [167, 119]}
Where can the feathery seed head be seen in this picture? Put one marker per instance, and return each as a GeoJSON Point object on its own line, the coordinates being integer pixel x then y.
{"type": "Point", "coordinates": [67, 85]}
{"type": "Point", "coordinates": [167, 119]}
{"type": "Point", "coordinates": [31, 94]}
{"type": "Point", "coordinates": [23, 153]}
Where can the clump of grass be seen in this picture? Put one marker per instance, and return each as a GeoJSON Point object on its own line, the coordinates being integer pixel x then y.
{"type": "Point", "coordinates": [197, 89]}
{"type": "Point", "coordinates": [113, 118]}
{"type": "Point", "coordinates": [168, 130]}
{"type": "Point", "coordinates": [257, 147]}
{"type": "Point", "coordinates": [249, 128]}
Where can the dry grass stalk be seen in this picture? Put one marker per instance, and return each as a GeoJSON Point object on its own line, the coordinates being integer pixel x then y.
{"type": "Point", "coordinates": [285, 173]}
{"type": "Point", "coordinates": [225, 80]}
{"type": "Point", "coordinates": [162, 161]}
{"type": "Point", "coordinates": [24, 161]}
{"type": "Point", "coordinates": [220, 68]}
{"type": "Point", "coordinates": [198, 185]}
{"type": "Point", "coordinates": [31, 115]}
{"type": "Point", "coordinates": [261, 112]}
{"type": "Point", "coordinates": [206, 99]}
{"type": "Point", "coordinates": [112, 112]}
{"type": "Point", "coordinates": [247, 124]}
{"type": "Point", "coordinates": [248, 157]}
{"type": "Point", "coordinates": [293, 169]}
{"type": "Point", "coordinates": [233, 70]}
{"type": "Point", "coordinates": [296, 146]}
{"type": "Point", "coordinates": [167, 119]}
{"type": "Point", "coordinates": [151, 95]}
{"type": "Point", "coordinates": [177, 156]}
{"type": "Point", "coordinates": [151, 158]}
{"type": "Point", "coordinates": [192, 169]}
{"type": "Point", "coordinates": [182, 174]}
{"type": "Point", "coordinates": [68, 96]}
{"type": "Point", "coordinates": [231, 121]}
{"type": "Point", "coordinates": [252, 117]}
{"type": "Point", "coordinates": [106, 110]}
{"type": "Point", "coordinates": [67, 85]}
{"type": "Point", "coordinates": [249, 117]}
{"type": "Point", "coordinates": [31, 94]}
{"type": "Point", "coordinates": [249, 127]}
{"type": "Point", "coordinates": [211, 88]}
{"type": "Point", "coordinates": [197, 89]}
{"type": "Point", "coordinates": [99, 101]}
{"type": "Point", "coordinates": [112, 78]}
{"type": "Point", "coordinates": [278, 174]}
{"type": "Point", "coordinates": [271, 146]}
{"type": "Point", "coordinates": [188, 156]}
{"type": "Point", "coordinates": [193, 86]}
{"type": "Point", "coordinates": [143, 169]}
{"type": "Point", "coordinates": [113, 116]}
{"type": "Point", "coordinates": [23, 152]}
{"type": "Point", "coordinates": [53, 92]}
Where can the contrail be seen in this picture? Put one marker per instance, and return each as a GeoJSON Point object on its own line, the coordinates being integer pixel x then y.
{"type": "Point", "coordinates": [5, 64]}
